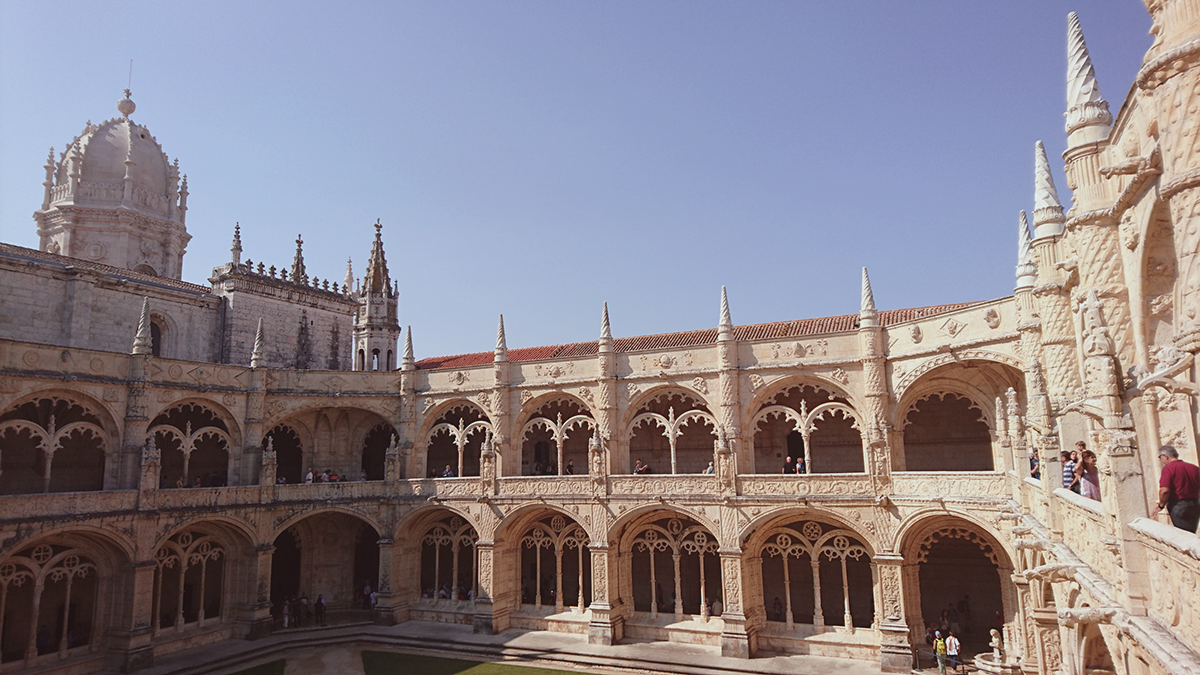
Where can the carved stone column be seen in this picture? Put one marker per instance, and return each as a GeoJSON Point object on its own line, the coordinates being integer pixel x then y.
{"type": "Point", "coordinates": [606, 411]}
{"type": "Point", "coordinates": [736, 638]}
{"type": "Point", "coordinates": [895, 647]}
{"type": "Point", "coordinates": [136, 426]}
{"type": "Point", "coordinates": [607, 625]}
{"type": "Point", "coordinates": [385, 614]}
{"type": "Point", "coordinates": [131, 634]}
{"type": "Point", "coordinates": [728, 399]}
{"type": "Point", "coordinates": [256, 399]}
{"type": "Point", "coordinates": [258, 615]}
{"type": "Point", "coordinates": [491, 612]}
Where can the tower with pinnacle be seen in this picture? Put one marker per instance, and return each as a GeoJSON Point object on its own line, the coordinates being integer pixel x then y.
{"type": "Point", "coordinates": [376, 328]}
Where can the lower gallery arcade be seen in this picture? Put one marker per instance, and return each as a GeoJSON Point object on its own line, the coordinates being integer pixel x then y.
{"type": "Point", "coordinates": [801, 581]}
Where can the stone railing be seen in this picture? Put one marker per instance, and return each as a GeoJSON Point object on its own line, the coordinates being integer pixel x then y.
{"type": "Point", "coordinates": [100, 191]}
{"type": "Point", "coordinates": [1086, 531]}
{"type": "Point", "coordinates": [992, 485]}
{"type": "Point", "coordinates": [42, 506]}
{"type": "Point", "coordinates": [82, 363]}
{"type": "Point", "coordinates": [467, 486]}
{"type": "Point", "coordinates": [187, 498]}
{"type": "Point", "coordinates": [838, 484]}
{"type": "Point", "coordinates": [664, 484]}
{"type": "Point", "coordinates": [330, 491]}
{"type": "Point", "coordinates": [153, 202]}
{"type": "Point", "coordinates": [1173, 559]}
{"type": "Point", "coordinates": [544, 485]}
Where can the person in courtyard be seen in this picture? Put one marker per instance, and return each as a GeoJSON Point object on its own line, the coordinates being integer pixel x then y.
{"type": "Point", "coordinates": [1035, 465]}
{"type": "Point", "coordinates": [1088, 475]}
{"type": "Point", "coordinates": [1179, 489]}
{"type": "Point", "coordinates": [319, 610]}
{"type": "Point", "coordinates": [638, 467]}
{"type": "Point", "coordinates": [789, 465]}
{"type": "Point", "coordinates": [709, 470]}
{"type": "Point", "coordinates": [952, 648]}
{"type": "Point", "coordinates": [448, 472]}
{"type": "Point", "coordinates": [569, 469]}
{"type": "Point", "coordinates": [939, 651]}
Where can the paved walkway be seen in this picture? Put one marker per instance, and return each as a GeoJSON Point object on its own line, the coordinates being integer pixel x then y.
{"type": "Point", "coordinates": [337, 649]}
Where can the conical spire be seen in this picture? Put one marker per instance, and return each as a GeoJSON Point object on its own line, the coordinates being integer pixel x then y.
{"type": "Point", "coordinates": [725, 328]}
{"type": "Point", "coordinates": [376, 279]}
{"type": "Point", "coordinates": [235, 249]}
{"type": "Point", "coordinates": [1085, 107]}
{"type": "Point", "coordinates": [501, 343]}
{"type": "Point", "coordinates": [1047, 210]}
{"type": "Point", "coordinates": [299, 276]}
{"type": "Point", "coordinates": [867, 316]}
{"type": "Point", "coordinates": [407, 362]}
{"type": "Point", "coordinates": [606, 339]}
{"type": "Point", "coordinates": [1026, 267]}
{"type": "Point", "coordinates": [143, 344]}
{"type": "Point", "coordinates": [349, 280]}
{"type": "Point", "coordinates": [258, 358]}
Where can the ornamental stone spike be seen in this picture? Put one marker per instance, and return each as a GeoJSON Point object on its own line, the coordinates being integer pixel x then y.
{"type": "Point", "coordinates": [1047, 210]}
{"type": "Point", "coordinates": [1026, 267]}
{"type": "Point", "coordinates": [143, 344]}
{"type": "Point", "coordinates": [725, 328]}
{"type": "Point", "coordinates": [501, 343]}
{"type": "Point", "coordinates": [258, 358]}
{"type": "Point", "coordinates": [235, 249]}
{"type": "Point", "coordinates": [867, 316]}
{"type": "Point", "coordinates": [606, 339]}
{"type": "Point", "coordinates": [349, 280]}
{"type": "Point", "coordinates": [1086, 110]}
{"type": "Point", "coordinates": [406, 361]}
{"type": "Point", "coordinates": [299, 276]}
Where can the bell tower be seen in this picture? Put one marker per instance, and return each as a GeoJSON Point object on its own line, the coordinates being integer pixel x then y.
{"type": "Point", "coordinates": [376, 328]}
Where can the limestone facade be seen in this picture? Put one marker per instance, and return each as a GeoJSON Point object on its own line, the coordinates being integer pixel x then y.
{"type": "Point", "coordinates": [915, 428]}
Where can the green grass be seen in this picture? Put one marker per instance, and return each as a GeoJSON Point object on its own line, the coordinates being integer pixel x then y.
{"type": "Point", "coordinates": [389, 663]}
{"type": "Point", "coordinates": [272, 668]}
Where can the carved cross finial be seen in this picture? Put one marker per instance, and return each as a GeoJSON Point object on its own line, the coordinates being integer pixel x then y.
{"type": "Point", "coordinates": [235, 249]}
{"type": "Point", "coordinates": [299, 275]}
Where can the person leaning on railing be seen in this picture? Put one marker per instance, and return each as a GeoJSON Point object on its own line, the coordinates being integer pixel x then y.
{"type": "Point", "coordinates": [1179, 489]}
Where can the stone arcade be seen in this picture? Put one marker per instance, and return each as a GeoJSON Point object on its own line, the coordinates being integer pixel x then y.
{"type": "Point", "coordinates": [915, 428]}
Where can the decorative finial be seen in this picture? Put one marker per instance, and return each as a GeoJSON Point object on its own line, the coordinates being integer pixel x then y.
{"type": "Point", "coordinates": [1047, 210]}
{"type": "Point", "coordinates": [1026, 267]}
{"type": "Point", "coordinates": [726, 320]}
{"type": "Point", "coordinates": [1085, 107]}
{"type": "Point", "coordinates": [605, 326]}
{"type": "Point", "coordinates": [378, 228]}
{"type": "Point", "coordinates": [867, 316]}
{"type": "Point", "coordinates": [501, 343]}
{"type": "Point", "coordinates": [126, 105]}
{"type": "Point", "coordinates": [407, 362]}
{"type": "Point", "coordinates": [258, 358]}
{"type": "Point", "coordinates": [235, 249]}
{"type": "Point", "coordinates": [348, 282]}
{"type": "Point", "coordinates": [299, 276]}
{"type": "Point", "coordinates": [376, 280]}
{"type": "Point", "coordinates": [143, 344]}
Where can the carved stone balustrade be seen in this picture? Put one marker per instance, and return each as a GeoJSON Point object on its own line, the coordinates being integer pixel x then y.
{"type": "Point", "coordinates": [1085, 529]}
{"type": "Point", "coordinates": [1175, 555]}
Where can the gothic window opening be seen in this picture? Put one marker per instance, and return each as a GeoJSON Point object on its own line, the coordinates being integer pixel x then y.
{"type": "Point", "coordinates": [156, 339]}
{"type": "Point", "coordinates": [374, 453]}
{"type": "Point", "coordinates": [817, 574]}
{"type": "Point", "coordinates": [51, 445]}
{"type": "Point", "coordinates": [456, 440]}
{"type": "Point", "coordinates": [555, 438]}
{"type": "Point", "coordinates": [817, 429]}
{"type": "Point", "coordinates": [289, 453]}
{"type": "Point", "coordinates": [189, 582]}
{"type": "Point", "coordinates": [675, 569]}
{"type": "Point", "coordinates": [555, 565]}
{"type": "Point", "coordinates": [947, 432]}
{"type": "Point", "coordinates": [194, 444]}
{"type": "Point", "coordinates": [330, 554]}
{"type": "Point", "coordinates": [449, 562]}
{"type": "Point", "coordinates": [672, 433]}
{"type": "Point", "coordinates": [959, 568]}
{"type": "Point", "coordinates": [48, 603]}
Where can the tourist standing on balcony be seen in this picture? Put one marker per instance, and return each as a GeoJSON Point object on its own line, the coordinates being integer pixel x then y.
{"type": "Point", "coordinates": [569, 469]}
{"type": "Point", "coordinates": [1179, 489]}
{"type": "Point", "coordinates": [709, 470]}
{"type": "Point", "coordinates": [1068, 468]}
{"type": "Point", "coordinates": [1035, 465]}
{"type": "Point", "coordinates": [1089, 477]}
{"type": "Point", "coordinates": [789, 465]}
{"type": "Point", "coordinates": [308, 477]}
{"type": "Point", "coordinates": [448, 472]}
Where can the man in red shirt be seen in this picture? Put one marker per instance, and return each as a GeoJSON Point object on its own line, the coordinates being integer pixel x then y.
{"type": "Point", "coordinates": [1179, 489]}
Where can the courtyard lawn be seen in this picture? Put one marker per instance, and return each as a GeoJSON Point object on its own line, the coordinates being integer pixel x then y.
{"type": "Point", "coordinates": [390, 663]}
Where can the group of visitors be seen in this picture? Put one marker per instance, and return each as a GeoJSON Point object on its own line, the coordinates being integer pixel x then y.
{"type": "Point", "coordinates": [330, 477]}
{"type": "Point", "coordinates": [793, 466]}
{"type": "Point", "coordinates": [943, 634]}
{"type": "Point", "coordinates": [549, 468]}
{"type": "Point", "coordinates": [449, 592]}
{"type": "Point", "coordinates": [214, 479]}
{"type": "Point", "coordinates": [297, 611]}
{"type": "Point", "coordinates": [1079, 472]}
{"type": "Point", "coordinates": [367, 598]}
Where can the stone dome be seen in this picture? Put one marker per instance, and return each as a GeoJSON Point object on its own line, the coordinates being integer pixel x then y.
{"type": "Point", "coordinates": [98, 155]}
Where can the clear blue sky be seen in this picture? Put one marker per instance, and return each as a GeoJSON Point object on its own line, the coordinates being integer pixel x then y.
{"type": "Point", "coordinates": [536, 158]}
